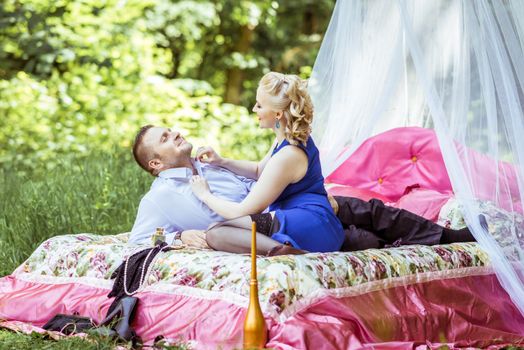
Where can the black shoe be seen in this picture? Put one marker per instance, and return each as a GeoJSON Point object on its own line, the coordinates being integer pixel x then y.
{"type": "Point", "coordinates": [483, 222]}
{"type": "Point", "coordinates": [118, 322]}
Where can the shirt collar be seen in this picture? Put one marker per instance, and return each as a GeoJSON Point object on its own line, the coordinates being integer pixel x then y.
{"type": "Point", "coordinates": [181, 172]}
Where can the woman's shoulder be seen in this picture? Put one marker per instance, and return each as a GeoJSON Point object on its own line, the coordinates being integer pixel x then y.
{"type": "Point", "coordinates": [308, 146]}
{"type": "Point", "coordinates": [290, 154]}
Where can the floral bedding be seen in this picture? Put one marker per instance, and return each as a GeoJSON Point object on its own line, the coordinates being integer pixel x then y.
{"type": "Point", "coordinates": [506, 228]}
{"type": "Point", "coordinates": [284, 281]}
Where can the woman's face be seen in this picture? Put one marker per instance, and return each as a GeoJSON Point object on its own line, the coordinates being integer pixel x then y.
{"type": "Point", "coordinates": [266, 116]}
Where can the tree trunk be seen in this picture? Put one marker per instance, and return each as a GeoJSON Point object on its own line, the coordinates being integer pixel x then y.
{"type": "Point", "coordinates": [176, 58]}
{"type": "Point", "coordinates": [234, 74]}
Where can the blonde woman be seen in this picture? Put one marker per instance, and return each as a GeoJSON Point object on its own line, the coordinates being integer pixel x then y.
{"type": "Point", "coordinates": [289, 181]}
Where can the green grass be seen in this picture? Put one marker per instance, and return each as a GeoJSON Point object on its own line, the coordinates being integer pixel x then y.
{"type": "Point", "coordinates": [97, 195]}
{"type": "Point", "coordinates": [11, 341]}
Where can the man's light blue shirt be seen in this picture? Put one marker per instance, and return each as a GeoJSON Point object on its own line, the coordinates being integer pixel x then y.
{"type": "Point", "coordinates": [171, 204]}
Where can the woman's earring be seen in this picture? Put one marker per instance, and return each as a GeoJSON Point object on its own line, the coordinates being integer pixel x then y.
{"type": "Point", "coordinates": [277, 125]}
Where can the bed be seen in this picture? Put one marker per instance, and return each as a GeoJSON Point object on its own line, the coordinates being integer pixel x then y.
{"type": "Point", "coordinates": [397, 298]}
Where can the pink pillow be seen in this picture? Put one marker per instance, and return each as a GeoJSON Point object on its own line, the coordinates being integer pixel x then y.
{"type": "Point", "coordinates": [423, 202]}
{"type": "Point", "coordinates": [349, 191]}
{"type": "Point", "coordinates": [391, 161]}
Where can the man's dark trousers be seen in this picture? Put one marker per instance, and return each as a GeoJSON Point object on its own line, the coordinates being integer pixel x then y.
{"type": "Point", "coordinates": [375, 225]}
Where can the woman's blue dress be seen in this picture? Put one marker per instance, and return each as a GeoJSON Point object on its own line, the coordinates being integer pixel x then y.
{"type": "Point", "coordinates": [306, 218]}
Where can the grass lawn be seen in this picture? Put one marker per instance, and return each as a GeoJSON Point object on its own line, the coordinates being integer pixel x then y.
{"type": "Point", "coordinates": [10, 340]}
{"type": "Point", "coordinates": [96, 195]}
{"type": "Point", "coordinates": [14, 341]}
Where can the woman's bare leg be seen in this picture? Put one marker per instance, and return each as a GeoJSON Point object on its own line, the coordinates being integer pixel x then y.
{"type": "Point", "coordinates": [234, 236]}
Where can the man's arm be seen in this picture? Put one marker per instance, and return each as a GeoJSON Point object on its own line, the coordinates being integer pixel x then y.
{"type": "Point", "coordinates": [148, 218]}
{"type": "Point", "coordinates": [173, 212]}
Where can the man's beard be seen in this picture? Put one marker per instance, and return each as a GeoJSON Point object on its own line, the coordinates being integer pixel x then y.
{"type": "Point", "coordinates": [182, 159]}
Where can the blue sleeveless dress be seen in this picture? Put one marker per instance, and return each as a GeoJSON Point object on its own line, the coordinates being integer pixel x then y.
{"type": "Point", "coordinates": [306, 218]}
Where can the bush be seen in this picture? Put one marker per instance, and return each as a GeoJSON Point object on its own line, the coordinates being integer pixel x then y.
{"type": "Point", "coordinates": [87, 112]}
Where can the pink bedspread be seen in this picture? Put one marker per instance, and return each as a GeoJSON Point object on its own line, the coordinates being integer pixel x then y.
{"type": "Point", "coordinates": [402, 314]}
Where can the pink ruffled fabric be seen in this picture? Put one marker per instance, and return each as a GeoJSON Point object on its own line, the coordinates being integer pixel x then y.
{"type": "Point", "coordinates": [419, 315]}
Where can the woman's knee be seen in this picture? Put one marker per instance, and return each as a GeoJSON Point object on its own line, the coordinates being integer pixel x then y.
{"type": "Point", "coordinates": [217, 237]}
{"type": "Point", "coordinates": [212, 238]}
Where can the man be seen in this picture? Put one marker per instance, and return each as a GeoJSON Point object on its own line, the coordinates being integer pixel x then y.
{"type": "Point", "coordinates": [170, 203]}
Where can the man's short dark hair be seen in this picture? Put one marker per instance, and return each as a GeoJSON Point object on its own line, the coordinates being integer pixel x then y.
{"type": "Point", "coordinates": [142, 155]}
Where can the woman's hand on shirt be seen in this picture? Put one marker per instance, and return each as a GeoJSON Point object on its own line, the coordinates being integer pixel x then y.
{"type": "Point", "coordinates": [200, 187]}
{"type": "Point", "coordinates": [208, 155]}
{"type": "Point", "coordinates": [287, 166]}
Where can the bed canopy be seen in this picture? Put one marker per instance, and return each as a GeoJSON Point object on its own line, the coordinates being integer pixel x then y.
{"type": "Point", "coordinates": [454, 66]}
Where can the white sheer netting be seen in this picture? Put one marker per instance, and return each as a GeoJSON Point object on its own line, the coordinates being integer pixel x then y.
{"type": "Point", "coordinates": [455, 66]}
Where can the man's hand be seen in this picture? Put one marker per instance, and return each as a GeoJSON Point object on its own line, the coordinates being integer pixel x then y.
{"type": "Point", "coordinates": [333, 203]}
{"type": "Point", "coordinates": [194, 238]}
{"type": "Point", "coordinates": [199, 187]}
{"type": "Point", "coordinates": [208, 155]}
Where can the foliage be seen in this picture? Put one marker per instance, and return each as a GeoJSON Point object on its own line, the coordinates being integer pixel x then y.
{"type": "Point", "coordinates": [46, 120]}
{"type": "Point", "coordinates": [217, 40]}
{"type": "Point", "coordinates": [83, 76]}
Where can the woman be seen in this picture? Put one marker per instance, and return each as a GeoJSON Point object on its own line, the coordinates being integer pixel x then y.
{"type": "Point", "coordinates": [290, 181]}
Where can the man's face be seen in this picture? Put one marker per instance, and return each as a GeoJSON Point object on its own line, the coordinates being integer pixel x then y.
{"type": "Point", "coordinates": [168, 148]}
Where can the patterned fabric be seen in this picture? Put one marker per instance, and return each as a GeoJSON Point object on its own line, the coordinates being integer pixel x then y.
{"type": "Point", "coordinates": [72, 272]}
{"type": "Point", "coordinates": [283, 280]}
{"type": "Point", "coordinates": [507, 228]}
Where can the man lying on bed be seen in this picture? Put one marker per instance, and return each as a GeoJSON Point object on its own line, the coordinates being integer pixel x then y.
{"type": "Point", "coordinates": [170, 203]}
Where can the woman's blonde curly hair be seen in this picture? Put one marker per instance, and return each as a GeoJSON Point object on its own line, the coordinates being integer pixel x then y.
{"type": "Point", "coordinates": [289, 93]}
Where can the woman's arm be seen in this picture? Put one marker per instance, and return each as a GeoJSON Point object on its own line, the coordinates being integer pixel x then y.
{"type": "Point", "coordinates": [286, 167]}
{"type": "Point", "coordinates": [246, 168]}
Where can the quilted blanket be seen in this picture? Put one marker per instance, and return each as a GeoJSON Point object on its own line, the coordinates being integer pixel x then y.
{"type": "Point", "coordinates": [406, 296]}
{"type": "Point", "coordinates": [285, 282]}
